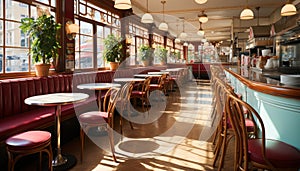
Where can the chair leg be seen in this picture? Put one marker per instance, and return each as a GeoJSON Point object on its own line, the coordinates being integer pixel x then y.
{"type": "Point", "coordinates": [82, 140]}
{"type": "Point", "coordinates": [111, 141]}
{"type": "Point", "coordinates": [40, 161]}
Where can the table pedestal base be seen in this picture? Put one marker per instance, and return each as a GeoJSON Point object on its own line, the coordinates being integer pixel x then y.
{"type": "Point", "coordinates": [64, 162]}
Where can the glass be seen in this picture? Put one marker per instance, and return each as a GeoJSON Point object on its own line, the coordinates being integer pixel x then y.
{"type": "Point", "coordinates": [16, 60]}
{"type": "Point", "coordinates": [1, 59]}
{"type": "Point", "coordinates": [1, 33]}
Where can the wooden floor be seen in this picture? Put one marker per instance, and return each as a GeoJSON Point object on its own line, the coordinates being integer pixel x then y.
{"type": "Point", "coordinates": [175, 135]}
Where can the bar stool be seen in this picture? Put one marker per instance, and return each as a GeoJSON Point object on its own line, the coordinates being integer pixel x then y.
{"type": "Point", "coordinates": [27, 143]}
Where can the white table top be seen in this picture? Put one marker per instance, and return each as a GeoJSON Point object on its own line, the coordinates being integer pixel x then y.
{"type": "Point", "coordinates": [158, 73]}
{"type": "Point", "coordinates": [174, 69]}
{"type": "Point", "coordinates": [128, 79]}
{"type": "Point", "coordinates": [146, 75]}
{"type": "Point", "coordinates": [98, 86]}
{"type": "Point", "coordinates": [56, 99]}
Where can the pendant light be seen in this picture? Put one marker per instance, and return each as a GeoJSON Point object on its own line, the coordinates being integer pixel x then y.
{"type": "Point", "coordinates": [201, 31]}
{"type": "Point", "coordinates": [288, 9]}
{"type": "Point", "coordinates": [147, 17]}
{"type": "Point", "coordinates": [200, 1]}
{"type": "Point", "coordinates": [163, 26]}
{"type": "Point", "coordinates": [203, 17]}
{"type": "Point", "coordinates": [122, 4]}
{"type": "Point", "coordinates": [177, 40]}
{"type": "Point", "coordinates": [247, 13]}
{"type": "Point", "coordinates": [183, 35]}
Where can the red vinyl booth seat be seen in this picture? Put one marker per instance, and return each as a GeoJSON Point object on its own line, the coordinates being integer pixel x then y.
{"type": "Point", "coordinates": [16, 116]}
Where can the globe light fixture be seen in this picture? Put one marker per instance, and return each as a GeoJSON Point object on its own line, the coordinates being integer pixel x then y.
{"type": "Point", "coordinates": [200, 31]}
{"type": "Point", "coordinates": [177, 40]}
{"type": "Point", "coordinates": [147, 17]}
{"type": "Point", "coordinates": [183, 35]}
{"type": "Point", "coordinates": [200, 1]}
{"type": "Point", "coordinates": [122, 4]}
{"type": "Point", "coordinates": [288, 9]}
{"type": "Point", "coordinates": [247, 14]}
{"type": "Point", "coordinates": [163, 26]}
{"type": "Point", "coordinates": [203, 17]}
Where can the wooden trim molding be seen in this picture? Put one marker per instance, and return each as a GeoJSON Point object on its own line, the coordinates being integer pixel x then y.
{"type": "Point", "coordinates": [274, 90]}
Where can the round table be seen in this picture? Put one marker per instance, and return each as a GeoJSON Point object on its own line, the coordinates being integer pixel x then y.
{"type": "Point", "coordinates": [98, 87]}
{"type": "Point", "coordinates": [146, 75]}
{"type": "Point", "coordinates": [128, 79]}
{"type": "Point", "coordinates": [158, 73]}
{"type": "Point", "coordinates": [57, 100]}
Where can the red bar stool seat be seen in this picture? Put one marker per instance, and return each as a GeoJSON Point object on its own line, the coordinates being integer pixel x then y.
{"type": "Point", "coordinates": [27, 143]}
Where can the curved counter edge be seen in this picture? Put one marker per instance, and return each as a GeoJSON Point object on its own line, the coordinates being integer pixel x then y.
{"type": "Point", "coordinates": [267, 88]}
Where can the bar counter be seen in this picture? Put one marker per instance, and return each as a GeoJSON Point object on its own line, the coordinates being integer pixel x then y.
{"type": "Point", "coordinates": [277, 104]}
{"type": "Point", "coordinates": [264, 82]}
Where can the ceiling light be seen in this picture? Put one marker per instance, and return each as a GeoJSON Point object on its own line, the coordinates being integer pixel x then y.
{"type": "Point", "coordinates": [147, 17]}
{"type": "Point", "coordinates": [122, 4]}
{"type": "Point", "coordinates": [288, 9]}
{"type": "Point", "coordinates": [201, 31]}
{"type": "Point", "coordinates": [163, 26]}
{"type": "Point", "coordinates": [183, 35]}
{"type": "Point", "coordinates": [200, 1]}
{"type": "Point", "coordinates": [247, 14]}
{"type": "Point", "coordinates": [203, 17]}
{"type": "Point", "coordinates": [177, 40]}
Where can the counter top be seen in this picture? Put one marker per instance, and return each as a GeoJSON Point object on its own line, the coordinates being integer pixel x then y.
{"type": "Point", "coordinates": [266, 82]}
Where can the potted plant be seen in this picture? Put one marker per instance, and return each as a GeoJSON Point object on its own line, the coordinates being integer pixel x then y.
{"type": "Point", "coordinates": [145, 54]}
{"type": "Point", "coordinates": [44, 43]}
{"type": "Point", "coordinates": [162, 54]}
{"type": "Point", "coordinates": [112, 51]}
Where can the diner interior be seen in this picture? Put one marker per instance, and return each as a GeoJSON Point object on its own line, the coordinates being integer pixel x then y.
{"type": "Point", "coordinates": [149, 85]}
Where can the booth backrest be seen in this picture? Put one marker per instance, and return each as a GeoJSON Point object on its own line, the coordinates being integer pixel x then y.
{"type": "Point", "coordinates": [13, 92]}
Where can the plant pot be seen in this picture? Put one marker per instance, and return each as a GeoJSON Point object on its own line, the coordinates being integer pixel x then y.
{"type": "Point", "coordinates": [163, 62]}
{"type": "Point", "coordinates": [146, 63]}
{"type": "Point", "coordinates": [42, 70]}
{"type": "Point", "coordinates": [114, 65]}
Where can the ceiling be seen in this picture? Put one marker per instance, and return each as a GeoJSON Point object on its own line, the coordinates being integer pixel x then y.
{"type": "Point", "coordinates": [223, 16]}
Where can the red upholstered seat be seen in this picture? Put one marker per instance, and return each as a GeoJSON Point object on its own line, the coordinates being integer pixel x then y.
{"type": "Point", "coordinates": [280, 154]}
{"type": "Point", "coordinates": [93, 117]}
{"type": "Point", "coordinates": [28, 139]}
{"type": "Point", "coordinates": [27, 143]}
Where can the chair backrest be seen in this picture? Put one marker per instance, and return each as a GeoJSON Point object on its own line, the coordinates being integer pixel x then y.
{"type": "Point", "coordinates": [146, 84]}
{"type": "Point", "coordinates": [162, 80]}
{"type": "Point", "coordinates": [124, 97]}
{"type": "Point", "coordinates": [110, 101]}
{"type": "Point", "coordinates": [234, 108]}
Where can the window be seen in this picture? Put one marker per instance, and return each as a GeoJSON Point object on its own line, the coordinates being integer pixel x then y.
{"type": "Point", "coordinates": [14, 49]}
{"type": "Point", "coordinates": [97, 25]}
{"type": "Point", "coordinates": [158, 41]}
{"type": "Point", "coordinates": [140, 36]}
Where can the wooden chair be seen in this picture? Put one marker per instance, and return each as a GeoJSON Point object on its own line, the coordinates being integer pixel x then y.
{"type": "Point", "coordinates": [123, 103]}
{"type": "Point", "coordinates": [27, 143]}
{"type": "Point", "coordinates": [224, 131]}
{"type": "Point", "coordinates": [142, 92]}
{"type": "Point", "coordinates": [101, 118]}
{"type": "Point", "coordinates": [262, 153]}
{"type": "Point", "coordinates": [160, 85]}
